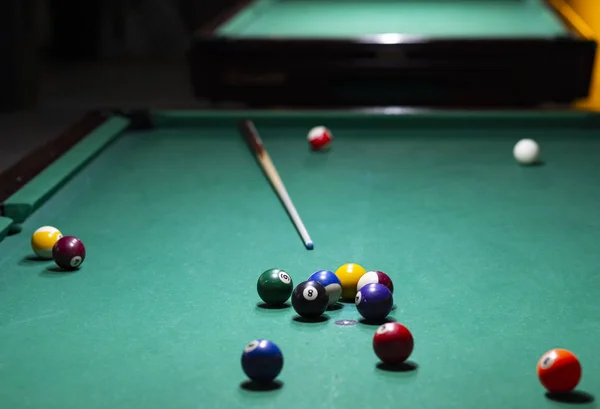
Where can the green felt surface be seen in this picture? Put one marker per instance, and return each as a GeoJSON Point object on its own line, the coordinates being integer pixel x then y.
{"type": "Point", "coordinates": [355, 18]}
{"type": "Point", "coordinates": [493, 264]}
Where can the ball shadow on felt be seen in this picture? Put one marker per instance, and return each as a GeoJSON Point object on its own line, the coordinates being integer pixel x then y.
{"type": "Point", "coordinates": [575, 397]}
{"type": "Point", "coordinates": [315, 320]}
{"type": "Point", "coordinates": [33, 259]}
{"type": "Point", "coordinates": [265, 306]}
{"type": "Point", "coordinates": [253, 386]}
{"type": "Point", "coordinates": [407, 366]}
{"type": "Point", "coordinates": [376, 323]}
{"type": "Point", "coordinates": [56, 271]}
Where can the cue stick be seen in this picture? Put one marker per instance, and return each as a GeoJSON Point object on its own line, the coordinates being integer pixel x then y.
{"type": "Point", "coordinates": [251, 135]}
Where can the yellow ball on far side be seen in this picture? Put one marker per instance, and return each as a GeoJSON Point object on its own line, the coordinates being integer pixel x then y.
{"type": "Point", "coordinates": [43, 239]}
{"type": "Point", "coordinates": [349, 274]}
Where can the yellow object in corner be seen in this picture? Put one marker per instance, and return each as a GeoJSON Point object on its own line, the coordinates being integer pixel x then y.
{"type": "Point", "coordinates": [584, 17]}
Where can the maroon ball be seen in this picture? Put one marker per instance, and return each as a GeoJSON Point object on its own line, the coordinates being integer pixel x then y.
{"type": "Point", "coordinates": [68, 253]}
{"type": "Point", "coordinates": [376, 276]}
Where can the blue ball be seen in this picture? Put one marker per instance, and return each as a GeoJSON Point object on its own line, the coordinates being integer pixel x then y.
{"type": "Point", "coordinates": [331, 282]}
{"type": "Point", "coordinates": [262, 360]}
{"type": "Point", "coordinates": [374, 301]}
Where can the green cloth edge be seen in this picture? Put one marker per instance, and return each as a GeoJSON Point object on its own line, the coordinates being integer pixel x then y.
{"type": "Point", "coordinates": [235, 25]}
{"type": "Point", "coordinates": [32, 195]}
{"type": "Point", "coordinates": [5, 224]}
{"type": "Point", "coordinates": [397, 117]}
{"type": "Point", "coordinates": [239, 23]}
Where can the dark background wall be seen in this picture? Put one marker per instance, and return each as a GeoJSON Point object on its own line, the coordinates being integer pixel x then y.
{"type": "Point", "coordinates": [61, 58]}
{"type": "Point", "coordinates": [116, 28]}
{"type": "Point", "coordinates": [34, 33]}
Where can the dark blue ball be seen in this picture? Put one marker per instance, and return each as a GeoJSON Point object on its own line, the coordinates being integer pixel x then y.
{"type": "Point", "coordinates": [331, 282]}
{"type": "Point", "coordinates": [374, 301]}
{"type": "Point", "coordinates": [262, 360]}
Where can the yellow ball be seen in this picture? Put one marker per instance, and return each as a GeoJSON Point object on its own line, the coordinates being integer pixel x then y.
{"type": "Point", "coordinates": [43, 240]}
{"type": "Point", "coordinates": [349, 274]}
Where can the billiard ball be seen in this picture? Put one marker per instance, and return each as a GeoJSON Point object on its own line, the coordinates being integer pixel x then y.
{"type": "Point", "coordinates": [375, 276]}
{"type": "Point", "coordinates": [320, 138]}
{"type": "Point", "coordinates": [43, 239]}
{"type": "Point", "coordinates": [331, 282]}
{"type": "Point", "coordinates": [559, 370]}
{"type": "Point", "coordinates": [349, 274]}
{"type": "Point", "coordinates": [374, 301]}
{"type": "Point", "coordinates": [262, 361]}
{"type": "Point", "coordinates": [393, 343]}
{"type": "Point", "coordinates": [68, 253]}
{"type": "Point", "coordinates": [310, 299]}
{"type": "Point", "coordinates": [274, 286]}
{"type": "Point", "coordinates": [526, 151]}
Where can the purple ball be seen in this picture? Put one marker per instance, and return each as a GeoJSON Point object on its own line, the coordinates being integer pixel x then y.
{"type": "Point", "coordinates": [68, 253]}
{"type": "Point", "coordinates": [374, 301]}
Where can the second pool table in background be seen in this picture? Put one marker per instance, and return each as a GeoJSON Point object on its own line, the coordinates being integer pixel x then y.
{"type": "Point", "coordinates": [394, 52]}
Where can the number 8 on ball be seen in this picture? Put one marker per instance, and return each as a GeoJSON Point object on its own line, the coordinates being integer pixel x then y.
{"type": "Point", "coordinates": [310, 299]}
{"type": "Point", "coordinates": [310, 293]}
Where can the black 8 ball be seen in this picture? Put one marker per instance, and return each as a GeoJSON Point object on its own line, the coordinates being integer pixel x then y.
{"type": "Point", "coordinates": [310, 299]}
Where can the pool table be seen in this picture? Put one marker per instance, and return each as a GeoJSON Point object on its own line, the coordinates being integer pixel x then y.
{"type": "Point", "coordinates": [394, 52]}
{"type": "Point", "coordinates": [493, 263]}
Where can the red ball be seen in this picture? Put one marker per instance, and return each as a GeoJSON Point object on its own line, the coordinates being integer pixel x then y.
{"type": "Point", "coordinates": [559, 370]}
{"type": "Point", "coordinates": [393, 343]}
{"type": "Point", "coordinates": [319, 138]}
{"type": "Point", "coordinates": [68, 253]}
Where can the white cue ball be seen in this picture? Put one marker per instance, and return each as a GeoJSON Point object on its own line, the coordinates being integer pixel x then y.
{"type": "Point", "coordinates": [526, 151]}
